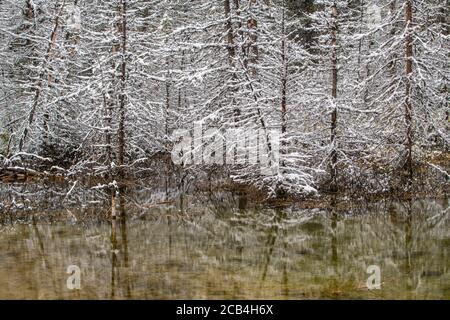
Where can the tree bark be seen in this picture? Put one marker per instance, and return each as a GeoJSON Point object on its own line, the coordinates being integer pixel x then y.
{"type": "Point", "coordinates": [229, 31]}
{"type": "Point", "coordinates": [122, 96]}
{"type": "Point", "coordinates": [252, 50]}
{"type": "Point", "coordinates": [42, 75]}
{"type": "Point", "coordinates": [231, 55]}
{"type": "Point", "coordinates": [409, 70]}
{"type": "Point", "coordinates": [334, 70]}
{"type": "Point", "coordinates": [284, 66]}
{"type": "Point", "coordinates": [284, 76]}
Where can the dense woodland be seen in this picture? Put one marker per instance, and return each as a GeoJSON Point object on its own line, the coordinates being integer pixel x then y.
{"type": "Point", "coordinates": [358, 89]}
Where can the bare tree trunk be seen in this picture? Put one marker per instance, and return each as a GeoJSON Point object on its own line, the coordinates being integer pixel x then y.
{"type": "Point", "coordinates": [29, 15]}
{"type": "Point", "coordinates": [122, 97]}
{"type": "Point", "coordinates": [393, 62]}
{"type": "Point", "coordinates": [168, 83]}
{"type": "Point", "coordinates": [229, 31]}
{"type": "Point", "coordinates": [392, 9]}
{"type": "Point", "coordinates": [334, 62]}
{"type": "Point", "coordinates": [109, 103]}
{"type": "Point", "coordinates": [283, 79]}
{"type": "Point", "coordinates": [166, 130]}
{"type": "Point", "coordinates": [252, 55]}
{"type": "Point", "coordinates": [367, 67]}
{"type": "Point", "coordinates": [360, 42]}
{"type": "Point", "coordinates": [284, 66]}
{"type": "Point", "coordinates": [239, 24]}
{"type": "Point", "coordinates": [252, 50]}
{"type": "Point", "coordinates": [231, 54]}
{"type": "Point", "coordinates": [107, 122]}
{"type": "Point", "coordinates": [42, 75]}
{"type": "Point", "coordinates": [409, 69]}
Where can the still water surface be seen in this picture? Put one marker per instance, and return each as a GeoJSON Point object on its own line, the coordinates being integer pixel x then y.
{"type": "Point", "coordinates": [212, 251]}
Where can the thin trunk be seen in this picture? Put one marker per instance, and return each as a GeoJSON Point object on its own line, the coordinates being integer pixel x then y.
{"type": "Point", "coordinates": [334, 62]}
{"type": "Point", "coordinates": [393, 62]}
{"type": "Point", "coordinates": [409, 70]}
{"type": "Point", "coordinates": [109, 105]}
{"type": "Point", "coordinates": [122, 106]}
{"type": "Point", "coordinates": [252, 50]}
{"type": "Point", "coordinates": [237, 8]}
{"type": "Point", "coordinates": [166, 130]}
{"type": "Point", "coordinates": [229, 31]}
{"type": "Point", "coordinates": [231, 56]}
{"type": "Point", "coordinates": [167, 107]}
{"type": "Point", "coordinates": [360, 42]}
{"type": "Point", "coordinates": [108, 102]}
{"type": "Point", "coordinates": [45, 136]}
{"type": "Point", "coordinates": [251, 55]}
{"type": "Point", "coordinates": [258, 110]}
{"type": "Point", "coordinates": [29, 15]}
{"type": "Point", "coordinates": [42, 75]}
{"type": "Point", "coordinates": [239, 23]}
{"type": "Point", "coordinates": [283, 80]}
{"type": "Point", "coordinates": [281, 191]}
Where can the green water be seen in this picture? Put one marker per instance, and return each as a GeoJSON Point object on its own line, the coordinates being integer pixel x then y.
{"type": "Point", "coordinates": [218, 251]}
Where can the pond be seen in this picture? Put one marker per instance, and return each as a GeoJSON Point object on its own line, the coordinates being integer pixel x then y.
{"type": "Point", "coordinates": [220, 250]}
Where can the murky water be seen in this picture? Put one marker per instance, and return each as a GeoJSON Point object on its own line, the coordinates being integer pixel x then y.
{"type": "Point", "coordinates": [212, 251]}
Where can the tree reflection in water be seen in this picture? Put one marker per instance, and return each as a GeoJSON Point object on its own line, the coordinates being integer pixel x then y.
{"type": "Point", "coordinates": [223, 247]}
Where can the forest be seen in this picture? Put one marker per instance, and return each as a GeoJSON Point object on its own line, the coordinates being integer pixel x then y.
{"type": "Point", "coordinates": [92, 94]}
{"type": "Point", "coordinates": [224, 149]}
